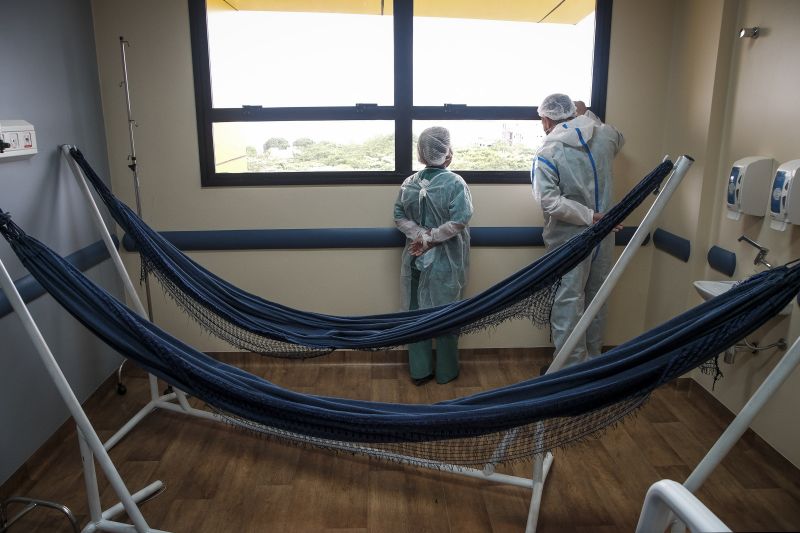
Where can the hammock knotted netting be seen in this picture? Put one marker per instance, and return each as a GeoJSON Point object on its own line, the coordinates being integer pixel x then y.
{"type": "Point", "coordinates": [258, 325]}
{"type": "Point", "coordinates": [498, 425]}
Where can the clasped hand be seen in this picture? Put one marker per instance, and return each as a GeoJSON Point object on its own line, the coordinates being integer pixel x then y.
{"type": "Point", "coordinates": [420, 245]}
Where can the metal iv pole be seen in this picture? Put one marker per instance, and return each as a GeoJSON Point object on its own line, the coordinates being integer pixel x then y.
{"type": "Point", "coordinates": [134, 168]}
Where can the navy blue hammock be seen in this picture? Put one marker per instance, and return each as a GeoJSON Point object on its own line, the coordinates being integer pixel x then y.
{"type": "Point", "coordinates": [255, 324]}
{"type": "Point", "coordinates": [503, 424]}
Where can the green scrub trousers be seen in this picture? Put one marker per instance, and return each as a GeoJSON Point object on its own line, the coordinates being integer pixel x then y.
{"type": "Point", "coordinates": [420, 354]}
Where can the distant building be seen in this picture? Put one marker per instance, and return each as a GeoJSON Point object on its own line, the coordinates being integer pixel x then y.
{"type": "Point", "coordinates": [510, 135]}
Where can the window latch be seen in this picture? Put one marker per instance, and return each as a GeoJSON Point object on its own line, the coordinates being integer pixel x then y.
{"type": "Point", "coordinates": [361, 108]}
{"type": "Point", "coordinates": [248, 108]}
{"type": "Point", "coordinates": [454, 108]}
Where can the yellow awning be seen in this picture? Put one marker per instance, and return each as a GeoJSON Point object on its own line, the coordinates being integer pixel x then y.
{"type": "Point", "coordinates": [547, 11]}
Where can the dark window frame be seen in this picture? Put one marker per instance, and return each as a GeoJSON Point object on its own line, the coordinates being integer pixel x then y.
{"type": "Point", "coordinates": [403, 112]}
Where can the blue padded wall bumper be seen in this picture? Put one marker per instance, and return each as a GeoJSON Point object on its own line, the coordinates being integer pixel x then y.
{"type": "Point", "coordinates": [722, 260]}
{"type": "Point", "coordinates": [674, 245]}
{"type": "Point", "coordinates": [83, 260]}
{"type": "Point", "coordinates": [96, 253]}
{"type": "Point", "coordinates": [328, 238]}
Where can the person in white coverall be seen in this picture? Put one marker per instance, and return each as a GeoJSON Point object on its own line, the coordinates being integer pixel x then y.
{"type": "Point", "coordinates": [572, 181]}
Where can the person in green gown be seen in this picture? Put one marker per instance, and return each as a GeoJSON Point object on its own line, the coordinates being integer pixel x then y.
{"type": "Point", "coordinates": [433, 210]}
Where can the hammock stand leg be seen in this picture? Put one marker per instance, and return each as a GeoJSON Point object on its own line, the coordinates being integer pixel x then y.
{"type": "Point", "coordinates": [788, 363]}
{"type": "Point", "coordinates": [541, 467]}
{"type": "Point", "coordinates": [91, 446]}
{"type": "Point", "coordinates": [102, 520]}
{"type": "Point", "coordinates": [677, 175]}
{"type": "Point", "coordinates": [157, 401]}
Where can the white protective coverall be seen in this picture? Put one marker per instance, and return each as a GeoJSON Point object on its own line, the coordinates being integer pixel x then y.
{"type": "Point", "coordinates": [572, 180]}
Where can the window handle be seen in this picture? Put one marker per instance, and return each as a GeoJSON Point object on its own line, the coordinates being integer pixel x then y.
{"type": "Point", "coordinates": [249, 109]}
{"type": "Point", "coordinates": [454, 108]}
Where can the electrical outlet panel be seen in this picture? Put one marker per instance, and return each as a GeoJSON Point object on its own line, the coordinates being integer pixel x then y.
{"type": "Point", "coordinates": [18, 138]}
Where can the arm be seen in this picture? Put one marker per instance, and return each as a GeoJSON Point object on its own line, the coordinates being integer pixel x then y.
{"type": "Point", "coordinates": [614, 134]}
{"type": "Point", "coordinates": [547, 191]}
{"type": "Point", "coordinates": [432, 237]}
{"type": "Point", "coordinates": [616, 137]}
{"type": "Point", "coordinates": [460, 210]}
{"type": "Point", "coordinates": [408, 227]}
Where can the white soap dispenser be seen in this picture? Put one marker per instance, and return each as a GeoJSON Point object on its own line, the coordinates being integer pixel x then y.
{"type": "Point", "coordinates": [749, 186]}
{"type": "Point", "coordinates": [784, 203]}
{"type": "Point", "coordinates": [785, 197]}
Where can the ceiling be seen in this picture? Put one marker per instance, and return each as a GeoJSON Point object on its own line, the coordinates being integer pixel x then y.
{"type": "Point", "coordinates": [546, 11]}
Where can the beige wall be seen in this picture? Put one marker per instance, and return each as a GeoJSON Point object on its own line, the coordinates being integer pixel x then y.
{"type": "Point", "coordinates": [732, 98]}
{"type": "Point", "coordinates": [678, 83]}
{"type": "Point", "coordinates": [762, 119]}
{"type": "Point", "coordinates": [637, 81]}
{"type": "Point", "coordinates": [698, 79]}
{"type": "Point", "coordinates": [335, 281]}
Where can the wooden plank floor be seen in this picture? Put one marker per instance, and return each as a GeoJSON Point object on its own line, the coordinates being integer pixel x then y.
{"type": "Point", "coordinates": [222, 479]}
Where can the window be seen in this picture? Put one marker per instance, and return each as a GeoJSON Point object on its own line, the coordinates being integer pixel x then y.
{"type": "Point", "coordinates": [308, 92]}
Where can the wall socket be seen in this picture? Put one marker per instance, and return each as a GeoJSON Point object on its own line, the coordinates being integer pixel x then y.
{"type": "Point", "coordinates": [18, 138]}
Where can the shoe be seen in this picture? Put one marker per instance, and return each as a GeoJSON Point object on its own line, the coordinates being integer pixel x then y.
{"type": "Point", "coordinates": [448, 381]}
{"type": "Point", "coordinates": [422, 381]}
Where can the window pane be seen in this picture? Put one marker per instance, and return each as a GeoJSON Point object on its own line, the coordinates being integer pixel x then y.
{"type": "Point", "coordinates": [304, 146]}
{"type": "Point", "coordinates": [487, 144]}
{"type": "Point", "coordinates": [490, 53]}
{"type": "Point", "coordinates": [277, 58]}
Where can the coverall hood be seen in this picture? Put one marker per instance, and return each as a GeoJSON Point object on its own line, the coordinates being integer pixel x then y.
{"type": "Point", "coordinates": [566, 133]}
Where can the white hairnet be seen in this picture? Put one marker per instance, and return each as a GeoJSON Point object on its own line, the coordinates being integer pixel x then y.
{"type": "Point", "coordinates": [557, 107]}
{"type": "Point", "coordinates": [433, 146]}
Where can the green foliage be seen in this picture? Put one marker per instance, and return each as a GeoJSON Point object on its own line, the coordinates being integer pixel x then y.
{"type": "Point", "coordinates": [377, 154]}
{"type": "Point", "coordinates": [276, 142]}
{"type": "Point", "coordinates": [498, 156]}
{"type": "Point", "coordinates": [250, 151]}
{"type": "Point", "coordinates": [302, 142]}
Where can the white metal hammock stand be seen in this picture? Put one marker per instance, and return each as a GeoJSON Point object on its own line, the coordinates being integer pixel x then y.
{"type": "Point", "coordinates": [92, 448]}
{"type": "Point", "coordinates": [90, 445]}
{"type": "Point", "coordinates": [666, 497]}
